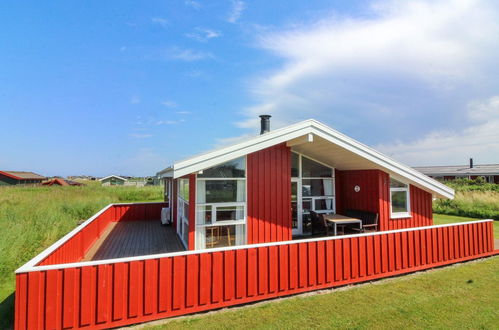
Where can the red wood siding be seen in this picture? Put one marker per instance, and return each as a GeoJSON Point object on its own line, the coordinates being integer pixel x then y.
{"type": "Point", "coordinates": [122, 293]}
{"type": "Point", "coordinates": [374, 196]}
{"type": "Point", "coordinates": [269, 195]}
{"type": "Point", "coordinates": [192, 212]}
{"type": "Point", "coordinates": [74, 249]}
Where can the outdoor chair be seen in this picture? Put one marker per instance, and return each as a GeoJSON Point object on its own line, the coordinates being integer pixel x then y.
{"type": "Point", "coordinates": [319, 224]}
{"type": "Point", "coordinates": [369, 220]}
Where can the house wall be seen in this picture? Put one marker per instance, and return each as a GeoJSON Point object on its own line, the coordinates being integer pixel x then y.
{"type": "Point", "coordinates": [374, 196]}
{"type": "Point", "coordinates": [269, 195]}
{"type": "Point", "coordinates": [113, 181]}
{"type": "Point", "coordinates": [7, 181]}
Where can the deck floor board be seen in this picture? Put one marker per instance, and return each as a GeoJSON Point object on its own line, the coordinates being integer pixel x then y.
{"type": "Point", "coordinates": [137, 238]}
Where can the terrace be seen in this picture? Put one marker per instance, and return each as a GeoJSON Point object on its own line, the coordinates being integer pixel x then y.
{"type": "Point", "coordinates": [122, 267]}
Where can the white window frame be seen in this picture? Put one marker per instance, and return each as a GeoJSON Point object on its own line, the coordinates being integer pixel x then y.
{"type": "Point", "coordinates": [181, 217]}
{"type": "Point", "coordinates": [214, 222]}
{"type": "Point", "coordinates": [407, 190]}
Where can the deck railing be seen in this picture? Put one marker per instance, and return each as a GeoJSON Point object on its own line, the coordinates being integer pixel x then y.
{"type": "Point", "coordinates": [74, 246]}
{"type": "Point", "coordinates": [111, 293]}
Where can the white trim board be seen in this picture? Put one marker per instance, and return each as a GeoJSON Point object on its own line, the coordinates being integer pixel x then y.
{"type": "Point", "coordinates": [30, 268]}
{"type": "Point", "coordinates": [305, 128]}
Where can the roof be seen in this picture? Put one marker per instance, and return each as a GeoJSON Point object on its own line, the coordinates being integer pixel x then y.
{"type": "Point", "coordinates": [19, 175]}
{"type": "Point", "coordinates": [327, 145]}
{"type": "Point", "coordinates": [61, 182]}
{"type": "Point", "coordinates": [487, 169]}
{"type": "Point", "coordinates": [113, 176]}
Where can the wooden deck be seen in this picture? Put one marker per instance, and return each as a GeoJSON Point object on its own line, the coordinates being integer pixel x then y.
{"type": "Point", "coordinates": [135, 238]}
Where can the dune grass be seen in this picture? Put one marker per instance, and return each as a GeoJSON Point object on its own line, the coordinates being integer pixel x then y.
{"type": "Point", "coordinates": [474, 204]}
{"type": "Point", "coordinates": [32, 218]}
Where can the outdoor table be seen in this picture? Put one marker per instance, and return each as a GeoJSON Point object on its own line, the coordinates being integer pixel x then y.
{"type": "Point", "coordinates": [336, 219]}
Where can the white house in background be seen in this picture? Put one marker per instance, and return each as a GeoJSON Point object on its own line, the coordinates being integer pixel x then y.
{"type": "Point", "coordinates": [113, 180]}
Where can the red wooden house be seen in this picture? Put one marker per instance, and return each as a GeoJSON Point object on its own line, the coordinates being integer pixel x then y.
{"type": "Point", "coordinates": [236, 212]}
{"type": "Point", "coordinates": [262, 190]}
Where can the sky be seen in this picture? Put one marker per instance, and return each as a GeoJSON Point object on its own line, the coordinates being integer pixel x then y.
{"type": "Point", "coordinates": [129, 87]}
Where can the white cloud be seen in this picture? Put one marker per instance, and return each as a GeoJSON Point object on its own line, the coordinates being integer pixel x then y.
{"type": "Point", "coordinates": [135, 99]}
{"type": "Point", "coordinates": [140, 136]}
{"type": "Point", "coordinates": [236, 11]}
{"type": "Point", "coordinates": [203, 35]}
{"type": "Point", "coordinates": [479, 140]}
{"type": "Point", "coordinates": [402, 70]}
{"type": "Point", "coordinates": [183, 112]}
{"type": "Point", "coordinates": [169, 104]}
{"type": "Point", "coordinates": [187, 55]}
{"type": "Point", "coordinates": [169, 122]}
{"type": "Point", "coordinates": [193, 4]}
{"type": "Point", "coordinates": [163, 22]}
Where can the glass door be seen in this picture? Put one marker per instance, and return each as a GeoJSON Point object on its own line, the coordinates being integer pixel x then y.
{"type": "Point", "coordinates": [296, 207]}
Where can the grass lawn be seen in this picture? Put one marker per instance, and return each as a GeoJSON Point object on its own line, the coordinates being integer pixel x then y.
{"type": "Point", "coordinates": [455, 297]}
{"type": "Point", "coordinates": [441, 219]}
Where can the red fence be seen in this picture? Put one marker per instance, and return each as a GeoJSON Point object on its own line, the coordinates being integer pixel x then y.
{"type": "Point", "coordinates": [74, 246]}
{"type": "Point", "coordinates": [120, 292]}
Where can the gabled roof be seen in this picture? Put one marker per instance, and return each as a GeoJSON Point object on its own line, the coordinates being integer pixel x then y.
{"type": "Point", "coordinates": [20, 175]}
{"type": "Point", "coordinates": [486, 169]}
{"type": "Point", "coordinates": [113, 176]}
{"type": "Point", "coordinates": [329, 146]}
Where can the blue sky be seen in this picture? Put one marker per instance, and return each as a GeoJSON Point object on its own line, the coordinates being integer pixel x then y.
{"type": "Point", "coordinates": [128, 87]}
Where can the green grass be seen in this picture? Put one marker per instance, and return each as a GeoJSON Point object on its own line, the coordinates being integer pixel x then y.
{"type": "Point", "coordinates": [441, 219]}
{"type": "Point", "coordinates": [458, 297]}
{"type": "Point", "coordinates": [474, 204]}
{"type": "Point", "coordinates": [32, 218]}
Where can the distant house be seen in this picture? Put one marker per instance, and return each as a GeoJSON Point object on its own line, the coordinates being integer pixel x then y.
{"type": "Point", "coordinates": [490, 172]}
{"type": "Point", "coordinates": [61, 182]}
{"type": "Point", "coordinates": [10, 178]}
{"type": "Point", "coordinates": [113, 180]}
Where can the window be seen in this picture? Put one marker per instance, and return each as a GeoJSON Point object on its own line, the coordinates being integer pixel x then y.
{"type": "Point", "coordinates": [399, 199]}
{"type": "Point", "coordinates": [183, 210]}
{"type": "Point", "coordinates": [317, 188]}
{"type": "Point", "coordinates": [221, 205]}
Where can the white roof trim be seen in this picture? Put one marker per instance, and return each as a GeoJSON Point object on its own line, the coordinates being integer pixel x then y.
{"type": "Point", "coordinates": [266, 140]}
{"type": "Point", "coordinates": [113, 176]}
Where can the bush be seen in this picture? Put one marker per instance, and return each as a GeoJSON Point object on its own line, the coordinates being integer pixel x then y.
{"type": "Point", "coordinates": [473, 204]}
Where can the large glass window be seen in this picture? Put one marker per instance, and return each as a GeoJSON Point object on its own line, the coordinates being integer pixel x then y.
{"type": "Point", "coordinates": [221, 205]}
{"type": "Point", "coordinates": [399, 199]}
{"type": "Point", "coordinates": [232, 169]}
{"type": "Point", "coordinates": [313, 169]}
{"type": "Point", "coordinates": [317, 189]}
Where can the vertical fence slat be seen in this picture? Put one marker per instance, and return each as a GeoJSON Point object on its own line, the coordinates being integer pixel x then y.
{"type": "Point", "coordinates": [229, 275]}
{"type": "Point", "coordinates": [166, 283]}
{"type": "Point", "coordinates": [151, 286]}
{"type": "Point", "coordinates": [241, 272]}
{"type": "Point", "coordinates": [312, 263]}
{"type": "Point", "coordinates": [252, 272]}
{"type": "Point", "coordinates": [293, 266]}
{"type": "Point", "coordinates": [284, 268]}
{"type": "Point", "coordinates": [273, 268]}
{"type": "Point", "coordinates": [262, 270]}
